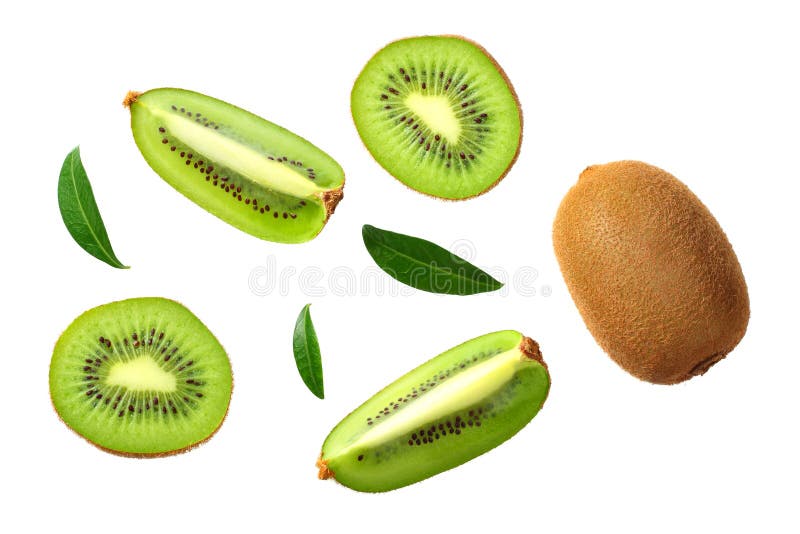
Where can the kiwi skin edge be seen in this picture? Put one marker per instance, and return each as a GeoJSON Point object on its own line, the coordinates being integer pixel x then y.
{"type": "Point", "coordinates": [513, 93]}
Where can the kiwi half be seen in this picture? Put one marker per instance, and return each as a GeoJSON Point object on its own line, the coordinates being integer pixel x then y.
{"type": "Point", "coordinates": [249, 172]}
{"type": "Point", "coordinates": [445, 412]}
{"type": "Point", "coordinates": [439, 114]}
{"type": "Point", "coordinates": [651, 271]}
{"type": "Point", "coordinates": [140, 377]}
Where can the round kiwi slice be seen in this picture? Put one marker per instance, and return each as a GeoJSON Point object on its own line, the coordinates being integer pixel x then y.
{"type": "Point", "coordinates": [140, 377]}
{"type": "Point", "coordinates": [439, 114]}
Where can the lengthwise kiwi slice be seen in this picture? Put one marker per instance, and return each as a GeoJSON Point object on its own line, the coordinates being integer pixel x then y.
{"type": "Point", "coordinates": [439, 114]}
{"type": "Point", "coordinates": [140, 377]}
{"type": "Point", "coordinates": [445, 412]}
{"type": "Point", "coordinates": [249, 172]}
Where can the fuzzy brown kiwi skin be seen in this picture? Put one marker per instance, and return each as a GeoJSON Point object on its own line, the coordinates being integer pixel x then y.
{"type": "Point", "coordinates": [331, 199]}
{"type": "Point", "coordinates": [513, 93]}
{"type": "Point", "coordinates": [651, 271]}
{"type": "Point", "coordinates": [131, 98]}
{"type": "Point", "coordinates": [125, 454]}
{"type": "Point", "coordinates": [530, 349]}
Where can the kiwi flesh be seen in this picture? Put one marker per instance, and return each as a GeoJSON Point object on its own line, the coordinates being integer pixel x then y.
{"type": "Point", "coordinates": [445, 412]}
{"type": "Point", "coordinates": [439, 114]}
{"type": "Point", "coordinates": [249, 172]}
{"type": "Point", "coordinates": [140, 377]}
{"type": "Point", "coordinates": [651, 271]}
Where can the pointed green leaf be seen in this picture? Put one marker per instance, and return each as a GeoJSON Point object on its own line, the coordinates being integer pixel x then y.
{"type": "Point", "coordinates": [79, 211]}
{"type": "Point", "coordinates": [306, 353]}
{"type": "Point", "coordinates": [424, 265]}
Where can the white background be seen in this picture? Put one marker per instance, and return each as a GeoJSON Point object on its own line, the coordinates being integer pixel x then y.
{"type": "Point", "coordinates": [706, 91]}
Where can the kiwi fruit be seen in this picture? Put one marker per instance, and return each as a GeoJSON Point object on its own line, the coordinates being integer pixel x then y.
{"type": "Point", "coordinates": [439, 114]}
{"type": "Point", "coordinates": [651, 271]}
{"type": "Point", "coordinates": [445, 412]}
{"type": "Point", "coordinates": [249, 172]}
{"type": "Point", "coordinates": [140, 377]}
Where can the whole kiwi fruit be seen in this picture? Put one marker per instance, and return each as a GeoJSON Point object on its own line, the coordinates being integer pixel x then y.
{"type": "Point", "coordinates": [651, 271]}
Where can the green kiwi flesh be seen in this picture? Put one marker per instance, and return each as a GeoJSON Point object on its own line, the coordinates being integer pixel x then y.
{"type": "Point", "coordinates": [445, 412]}
{"type": "Point", "coordinates": [439, 114]}
{"type": "Point", "coordinates": [140, 377]}
{"type": "Point", "coordinates": [249, 172]}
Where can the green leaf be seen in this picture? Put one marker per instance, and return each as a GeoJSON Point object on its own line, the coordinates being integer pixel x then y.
{"type": "Point", "coordinates": [424, 265]}
{"type": "Point", "coordinates": [79, 211]}
{"type": "Point", "coordinates": [306, 353]}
